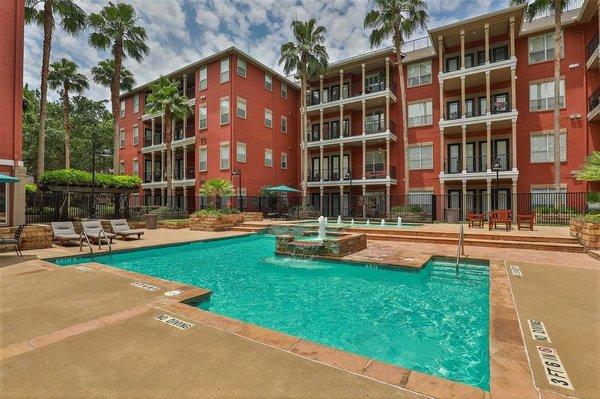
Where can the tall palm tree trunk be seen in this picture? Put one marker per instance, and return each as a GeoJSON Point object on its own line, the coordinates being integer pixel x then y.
{"type": "Point", "coordinates": [303, 174]}
{"type": "Point", "coordinates": [557, 53]}
{"type": "Point", "coordinates": [67, 125]}
{"type": "Point", "coordinates": [115, 102]}
{"type": "Point", "coordinates": [403, 110]}
{"type": "Point", "coordinates": [48, 26]}
{"type": "Point", "coordinates": [168, 139]}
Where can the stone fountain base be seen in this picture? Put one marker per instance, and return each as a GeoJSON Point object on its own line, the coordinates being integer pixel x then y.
{"type": "Point", "coordinates": [334, 245]}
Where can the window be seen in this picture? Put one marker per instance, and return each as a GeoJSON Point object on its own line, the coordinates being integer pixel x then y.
{"type": "Point", "coordinates": [268, 82]}
{"type": "Point", "coordinates": [542, 147]}
{"type": "Point", "coordinates": [268, 157]}
{"type": "Point", "coordinates": [452, 64]}
{"type": "Point", "coordinates": [283, 90]}
{"type": "Point", "coordinates": [203, 163]}
{"type": "Point", "coordinates": [375, 83]}
{"type": "Point", "coordinates": [225, 70]}
{"type": "Point", "coordinates": [375, 161]}
{"type": "Point", "coordinates": [283, 124]}
{"type": "Point", "coordinates": [420, 114]}
{"type": "Point", "coordinates": [240, 154]}
{"type": "Point", "coordinates": [122, 109]}
{"type": "Point", "coordinates": [541, 47]}
{"type": "Point", "coordinates": [241, 67]}
{"type": "Point", "coordinates": [374, 122]}
{"type": "Point", "coordinates": [122, 167]}
{"type": "Point", "coordinates": [283, 160]}
{"type": "Point", "coordinates": [122, 138]}
{"type": "Point", "coordinates": [268, 118]}
{"type": "Point", "coordinates": [420, 157]}
{"type": "Point", "coordinates": [136, 103]}
{"type": "Point", "coordinates": [203, 78]}
{"type": "Point", "coordinates": [547, 196]}
{"type": "Point", "coordinates": [499, 53]}
{"type": "Point", "coordinates": [419, 74]}
{"type": "Point", "coordinates": [203, 117]}
{"type": "Point", "coordinates": [136, 135]}
{"type": "Point", "coordinates": [241, 107]}
{"type": "Point", "coordinates": [421, 197]}
{"type": "Point", "coordinates": [224, 155]}
{"type": "Point", "coordinates": [224, 111]}
{"type": "Point", "coordinates": [136, 167]}
{"type": "Point", "coordinates": [541, 95]}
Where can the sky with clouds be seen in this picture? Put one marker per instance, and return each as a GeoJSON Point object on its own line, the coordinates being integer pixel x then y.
{"type": "Point", "coordinates": [183, 31]}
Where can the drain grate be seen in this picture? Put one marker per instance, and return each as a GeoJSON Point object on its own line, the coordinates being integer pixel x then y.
{"type": "Point", "coordinates": [172, 321]}
{"type": "Point", "coordinates": [145, 286]}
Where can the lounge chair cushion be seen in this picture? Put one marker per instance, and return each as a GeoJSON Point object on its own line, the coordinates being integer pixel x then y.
{"type": "Point", "coordinates": [8, 241]}
{"type": "Point", "coordinates": [64, 229]}
{"type": "Point", "coordinates": [130, 232]}
{"type": "Point", "coordinates": [93, 228]}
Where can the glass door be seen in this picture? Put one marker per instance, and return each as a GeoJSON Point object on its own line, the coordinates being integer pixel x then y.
{"type": "Point", "coordinates": [346, 172]}
{"type": "Point", "coordinates": [501, 198]}
{"type": "Point", "coordinates": [335, 204]}
{"type": "Point", "coordinates": [469, 107]}
{"type": "Point", "coordinates": [454, 163]}
{"type": "Point", "coordinates": [335, 167]}
{"type": "Point", "coordinates": [471, 161]}
{"type": "Point", "coordinates": [454, 199]}
{"type": "Point", "coordinates": [346, 90]}
{"type": "Point", "coordinates": [334, 132]}
{"type": "Point", "coordinates": [483, 156]}
{"type": "Point", "coordinates": [501, 153]}
{"type": "Point", "coordinates": [315, 201]}
{"type": "Point", "coordinates": [481, 106]}
{"type": "Point", "coordinates": [335, 92]}
{"type": "Point", "coordinates": [453, 110]}
{"type": "Point", "coordinates": [326, 207]}
{"type": "Point", "coordinates": [315, 173]}
{"type": "Point", "coordinates": [315, 133]}
{"type": "Point", "coordinates": [472, 201]}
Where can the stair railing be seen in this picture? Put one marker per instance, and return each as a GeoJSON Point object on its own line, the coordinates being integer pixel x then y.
{"type": "Point", "coordinates": [460, 249]}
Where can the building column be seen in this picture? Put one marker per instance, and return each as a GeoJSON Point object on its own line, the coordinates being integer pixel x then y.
{"type": "Point", "coordinates": [442, 100]}
{"type": "Point", "coordinates": [442, 151]}
{"type": "Point", "coordinates": [364, 207]}
{"type": "Point", "coordinates": [341, 82]}
{"type": "Point", "coordinates": [321, 166]}
{"type": "Point", "coordinates": [364, 116]}
{"type": "Point", "coordinates": [387, 73]}
{"type": "Point", "coordinates": [153, 124]}
{"type": "Point", "coordinates": [184, 162]}
{"type": "Point", "coordinates": [341, 198]}
{"type": "Point", "coordinates": [184, 197]}
{"type": "Point", "coordinates": [321, 111]}
{"type": "Point", "coordinates": [463, 106]}
{"type": "Point", "coordinates": [162, 165]}
{"type": "Point", "coordinates": [488, 185]}
{"type": "Point", "coordinates": [162, 130]}
{"type": "Point", "coordinates": [173, 152]}
{"type": "Point", "coordinates": [152, 171]}
{"type": "Point", "coordinates": [387, 200]}
{"type": "Point", "coordinates": [512, 37]}
{"type": "Point", "coordinates": [321, 89]}
{"type": "Point", "coordinates": [486, 29]}
{"type": "Point", "coordinates": [321, 199]}
{"type": "Point", "coordinates": [341, 120]}
{"type": "Point", "coordinates": [488, 146]}
{"type": "Point", "coordinates": [18, 203]}
{"type": "Point", "coordinates": [341, 160]}
{"type": "Point", "coordinates": [364, 159]}
{"type": "Point", "coordinates": [513, 138]}
{"type": "Point", "coordinates": [464, 148]}
{"type": "Point", "coordinates": [488, 93]}
{"type": "Point", "coordinates": [514, 200]}
{"type": "Point", "coordinates": [464, 201]}
{"type": "Point", "coordinates": [440, 54]}
{"type": "Point", "coordinates": [364, 85]}
{"type": "Point", "coordinates": [513, 88]}
{"type": "Point", "coordinates": [387, 158]}
{"type": "Point", "coordinates": [462, 49]}
{"type": "Point", "coordinates": [387, 112]}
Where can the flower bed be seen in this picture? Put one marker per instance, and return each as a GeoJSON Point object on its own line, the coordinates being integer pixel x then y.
{"type": "Point", "coordinates": [252, 216]}
{"type": "Point", "coordinates": [214, 220]}
{"type": "Point", "coordinates": [587, 230]}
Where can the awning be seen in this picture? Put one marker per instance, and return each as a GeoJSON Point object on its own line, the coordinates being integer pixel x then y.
{"type": "Point", "coordinates": [282, 189]}
{"type": "Point", "coordinates": [8, 179]}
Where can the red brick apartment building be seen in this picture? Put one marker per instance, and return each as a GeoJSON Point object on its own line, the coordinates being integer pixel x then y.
{"type": "Point", "coordinates": [12, 196]}
{"type": "Point", "coordinates": [479, 93]}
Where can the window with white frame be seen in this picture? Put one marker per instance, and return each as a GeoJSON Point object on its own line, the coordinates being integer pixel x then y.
{"type": "Point", "coordinates": [268, 157]}
{"type": "Point", "coordinates": [240, 153]}
{"type": "Point", "coordinates": [420, 114]}
{"type": "Point", "coordinates": [122, 109]}
{"type": "Point", "coordinates": [225, 70]}
{"type": "Point", "coordinates": [136, 103]}
{"type": "Point", "coordinates": [547, 196]}
{"type": "Point", "coordinates": [541, 95]}
{"type": "Point", "coordinates": [122, 167]}
{"type": "Point", "coordinates": [422, 198]}
{"type": "Point", "coordinates": [284, 160]}
{"type": "Point", "coordinates": [203, 116]}
{"type": "Point", "coordinates": [419, 74]}
{"type": "Point", "coordinates": [224, 155]}
{"type": "Point", "coordinates": [203, 78]}
{"type": "Point", "coordinates": [283, 90]}
{"type": "Point", "coordinates": [420, 157]}
{"type": "Point", "coordinates": [241, 67]}
{"type": "Point", "coordinates": [268, 118]}
{"type": "Point", "coordinates": [224, 111]}
{"type": "Point", "coordinates": [541, 47]}
{"type": "Point", "coordinates": [241, 107]}
{"type": "Point", "coordinates": [542, 147]}
{"type": "Point", "coordinates": [283, 124]}
{"type": "Point", "coordinates": [136, 167]}
{"type": "Point", "coordinates": [268, 81]}
{"type": "Point", "coordinates": [122, 138]}
{"type": "Point", "coordinates": [203, 159]}
{"type": "Point", "coordinates": [136, 135]}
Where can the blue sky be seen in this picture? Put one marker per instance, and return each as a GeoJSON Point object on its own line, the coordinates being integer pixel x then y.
{"type": "Point", "coordinates": [183, 31]}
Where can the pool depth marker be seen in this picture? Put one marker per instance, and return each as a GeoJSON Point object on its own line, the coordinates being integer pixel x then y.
{"type": "Point", "coordinates": [553, 367]}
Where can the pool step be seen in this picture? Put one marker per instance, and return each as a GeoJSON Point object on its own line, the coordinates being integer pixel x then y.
{"type": "Point", "coordinates": [488, 242]}
{"type": "Point", "coordinates": [247, 229]}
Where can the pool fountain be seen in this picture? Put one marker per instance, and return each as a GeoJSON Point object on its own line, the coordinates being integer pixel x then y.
{"type": "Point", "coordinates": [339, 220]}
{"type": "Point", "coordinates": [322, 226]}
{"type": "Point", "coordinates": [399, 221]}
{"type": "Point", "coordinates": [368, 222]}
{"type": "Point", "coordinates": [352, 222]}
{"type": "Point", "coordinates": [382, 222]}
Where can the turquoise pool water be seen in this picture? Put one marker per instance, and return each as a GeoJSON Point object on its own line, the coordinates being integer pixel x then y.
{"type": "Point", "coordinates": [427, 320]}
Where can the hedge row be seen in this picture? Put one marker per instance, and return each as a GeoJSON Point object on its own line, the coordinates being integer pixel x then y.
{"type": "Point", "coordinates": [74, 177]}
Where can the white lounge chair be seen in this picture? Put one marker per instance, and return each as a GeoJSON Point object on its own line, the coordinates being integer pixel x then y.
{"type": "Point", "coordinates": [64, 232]}
{"type": "Point", "coordinates": [94, 231]}
{"type": "Point", "coordinates": [121, 228]}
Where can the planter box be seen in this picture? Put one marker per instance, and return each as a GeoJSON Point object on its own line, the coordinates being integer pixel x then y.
{"type": "Point", "coordinates": [174, 224]}
{"type": "Point", "coordinates": [252, 216]}
{"type": "Point", "coordinates": [34, 236]}
{"type": "Point", "coordinates": [588, 233]}
{"type": "Point", "coordinates": [215, 223]}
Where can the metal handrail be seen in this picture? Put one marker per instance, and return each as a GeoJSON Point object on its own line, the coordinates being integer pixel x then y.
{"type": "Point", "coordinates": [83, 234]}
{"type": "Point", "coordinates": [460, 250]}
{"type": "Point", "coordinates": [101, 232]}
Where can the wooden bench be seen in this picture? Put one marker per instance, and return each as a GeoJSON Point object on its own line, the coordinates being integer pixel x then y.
{"type": "Point", "coordinates": [475, 219]}
{"type": "Point", "coordinates": [502, 216]}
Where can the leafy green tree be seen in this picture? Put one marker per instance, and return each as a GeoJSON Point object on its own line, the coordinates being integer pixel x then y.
{"type": "Point", "coordinates": [590, 170]}
{"type": "Point", "coordinates": [165, 99]}
{"type": "Point", "coordinates": [72, 20]}
{"type": "Point", "coordinates": [64, 76]}
{"type": "Point", "coordinates": [215, 189]}
{"type": "Point", "coordinates": [307, 57]}
{"type": "Point", "coordinates": [104, 72]}
{"type": "Point", "coordinates": [115, 29]}
{"type": "Point", "coordinates": [555, 8]}
{"type": "Point", "coordinates": [398, 20]}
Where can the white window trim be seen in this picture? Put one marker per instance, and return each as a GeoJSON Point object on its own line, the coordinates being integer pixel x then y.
{"type": "Point", "coordinates": [221, 145]}
{"type": "Point", "coordinates": [424, 120]}
{"type": "Point", "coordinates": [268, 151]}
{"type": "Point", "coordinates": [545, 81]}
{"type": "Point", "coordinates": [133, 168]}
{"type": "Point", "coordinates": [136, 108]}
{"type": "Point", "coordinates": [122, 167]}
{"type": "Point", "coordinates": [283, 156]}
{"type": "Point", "coordinates": [122, 109]}
{"type": "Point", "coordinates": [200, 150]}
{"type": "Point", "coordinates": [221, 80]}
{"type": "Point", "coordinates": [135, 138]}
{"type": "Point", "coordinates": [239, 101]}
{"type": "Point", "coordinates": [200, 88]}
{"type": "Point", "coordinates": [283, 118]}
{"type": "Point", "coordinates": [284, 90]}
{"type": "Point", "coordinates": [245, 67]}
{"type": "Point", "coordinates": [122, 137]}
{"type": "Point", "coordinates": [228, 111]}
{"type": "Point", "coordinates": [237, 153]}
{"type": "Point", "coordinates": [549, 135]}
{"type": "Point", "coordinates": [205, 106]}
{"type": "Point", "coordinates": [267, 110]}
{"type": "Point", "coordinates": [268, 75]}
{"type": "Point", "coordinates": [420, 76]}
{"type": "Point", "coordinates": [562, 47]}
{"type": "Point", "coordinates": [420, 160]}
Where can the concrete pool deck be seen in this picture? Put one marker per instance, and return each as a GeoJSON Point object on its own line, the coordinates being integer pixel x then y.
{"type": "Point", "coordinates": [104, 348]}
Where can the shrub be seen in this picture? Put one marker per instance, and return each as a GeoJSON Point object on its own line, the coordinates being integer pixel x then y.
{"type": "Point", "coordinates": [75, 177]}
{"type": "Point", "coordinates": [593, 197]}
{"type": "Point", "coordinates": [30, 188]}
{"type": "Point", "coordinates": [406, 208]}
{"type": "Point", "coordinates": [589, 217]}
{"type": "Point", "coordinates": [215, 212]}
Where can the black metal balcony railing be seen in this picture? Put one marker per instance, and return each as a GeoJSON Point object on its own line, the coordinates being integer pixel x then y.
{"type": "Point", "coordinates": [183, 174]}
{"type": "Point", "coordinates": [158, 176]}
{"type": "Point", "coordinates": [594, 100]}
{"type": "Point", "coordinates": [190, 131]}
{"type": "Point", "coordinates": [372, 171]}
{"type": "Point", "coordinates": [475, 164]}
{"type": "Point", "coordinates": [355, 91]}
{"type": "Point", "coordinates": [355, 129]}
{"type": "Point", "coordinates": [499, 107]}
{"type": "Point", "coordinates": [592, 46]}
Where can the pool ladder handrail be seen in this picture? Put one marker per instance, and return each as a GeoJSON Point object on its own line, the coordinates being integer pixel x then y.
{"type": "Point", "coordinates": [460, 249]}
{"type": "Point", "coordinates": [101, 232]}
{"type": "Point", "coordinates": [87, 239]}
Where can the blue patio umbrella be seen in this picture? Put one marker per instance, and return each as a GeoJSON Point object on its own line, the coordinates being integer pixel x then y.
{"type": "Point", "coordinates": [7, 179]}
{"type": "Point", "coordinates": [282, 189]}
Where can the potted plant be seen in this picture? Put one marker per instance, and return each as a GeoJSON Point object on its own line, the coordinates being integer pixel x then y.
{"type": "Point", "coordinates": [593, 201]}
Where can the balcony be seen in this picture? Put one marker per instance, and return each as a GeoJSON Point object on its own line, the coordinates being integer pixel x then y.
{"type": "Point", "coordinates": [373, 131]}
{"type": "Point", "coordinates": [593, 53]}
{"type": "Point", "coordinates": [500, 111]}
{"type": "Point", "coordinates": [184, 174]}
{"type": "Point", "coordinates": [477, 168]}
{"type": "Point", "coordinates": [594, 106]}
{"type": "Point", "coordinates": [351, 95]}
{"type": "Point", "coordinates": [495, 64]}
{"type": "Point", "coordinates": [375, 173]}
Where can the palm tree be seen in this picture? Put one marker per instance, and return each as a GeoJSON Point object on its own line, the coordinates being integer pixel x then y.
{"type": "Point", "coordinates": [215, 189]}
{"type": "Point", "coordinates": [63, 74]}
{"type": "Point", "coordinates": [104, 72]}
{"type": "Point", "coordinates": [72, 20]}
{"type": "Point", "coordinates": [555, 7]}
{"type": "Point", "coordinates": [165, 98]}
{"type": "Point", "coordinates": [306, 56]}
{"type": "Point", "coordinates": [115, 28]}
{"type": "Point", "coordinates": [398, 19]}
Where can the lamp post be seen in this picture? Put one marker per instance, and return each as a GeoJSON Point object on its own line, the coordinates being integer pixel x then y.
{"type": "Point", "coordinates": [497, 167]}
{"type": "Point", "coordinates": [238, 172]}
{"type": "Point", "coordinates": [104, 154]}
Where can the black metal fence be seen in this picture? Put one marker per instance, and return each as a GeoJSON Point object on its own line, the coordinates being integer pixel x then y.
{"type": "Point", "coordinates": [549, 208]}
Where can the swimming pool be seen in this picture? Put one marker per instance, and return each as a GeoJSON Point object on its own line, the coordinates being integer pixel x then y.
{"type": "Point", "coordinates": [426, 320]}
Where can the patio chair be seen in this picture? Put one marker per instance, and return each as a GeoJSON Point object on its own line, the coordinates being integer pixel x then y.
{"type": "Point", "coordinates": [121, 228]}
{"type": "Point", "coordinates": [64, 232]}
{"type": "Point", "coordinates": [15, 241]}
{"type": "Point", "coordinates": [501, 216]}
{"type": "Point", "coordinates": [475, 219]}
{"type": "Point", "coordinates": [94, 232]}
{"type": "Point", "coordinates": [526, 221]}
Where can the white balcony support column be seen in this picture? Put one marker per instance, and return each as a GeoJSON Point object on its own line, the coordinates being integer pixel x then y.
{"type": "Point", "coordinates": [163, 199]}
{"type": "Point", "coordinates": [387, 113]}
{"type": "Point", "coordinates": [364, 160]}
{"type": "Point", "coordinates": [387, 158]}
{"type": "Point", "coordinates": [387, 73]}
{"type": "Point", "coordinates": [464, 200]}
{"type": "Point", "coordinates": [486, 28]}
{"type": "Point", "coordinates": [341, 198]}
{"type": "Point", "coordinates": [514, 200]}
{"type": "Point", "coordinates": [442, 150]}
{"type": "Point", "coordinates": [364, 117]}
{"type": "Point", "coordinates": [513, 88]}
{"type": "Point", "coordinates": [464, 148]}
{"type": "Point", "coordinates": [440, 54]}
{"type": "Point", "coordinates": [184, 198]}
{"type": "Point", "coordinates": [341, 120]}
{"type": "Point", "coordinates": [152, 167]}
{"type": "Point", "coordinates": [152, 194]}
{"type": "Point", "coordinates": [364, 84]}
{"type": "Point", "coordinates": [463, 100]}
{"type": "Point", "coordinates": [162, 129]}
{"type": "Point", "coordinates": [488, 93]}
{"type": "Point", "coordinates": [513, 139]}
{"type": "Point", "coordinates": [321, 189]}
{"type": "Point", "coordinates": [488, 204]}
{"type": "Point", "coordinates": [321, 89]}
{"type": "Point", "coordinates": [512, 37]}
{"type": "Point", "coordinates": [162, 165]}
{"type": "Point", "coordinates": [321, 132]}
{"type": "Point", "coordinates": [488, 147]}
{"type": "Point", "coordinates": [462, 49]}
{"type": "Point", "coordinates": [153, 129]}
{"type": "Point", "coordinates": [341, 82]}
{"type": "Point", "coordinates": [184, 163]}
{"type": "Point", "coordinates": [442, 99]}
{"type": "Point", "coordinates": [321, 164]}
{"type": "Point", "coordinates": [364, 203]}
{"type": "Point", "coordinates": [341, 160]}
{"type": "Point", "coordinates": [387, 200]}
{"type": "Point", "coordinates": [173, 152]}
